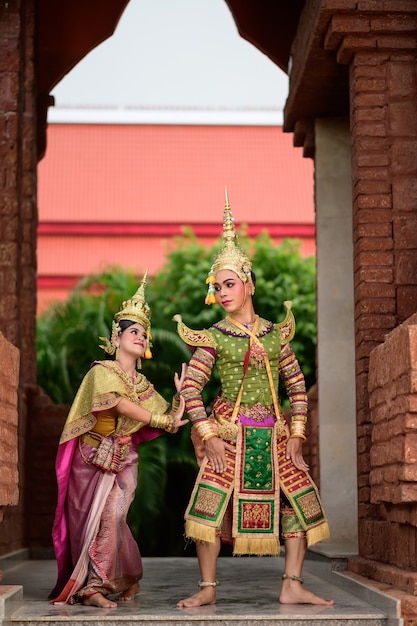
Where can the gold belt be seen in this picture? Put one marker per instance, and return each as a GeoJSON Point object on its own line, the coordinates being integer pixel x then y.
{"type": "Point", "coordinates": [258, 412]}
{"type": "Point", "coordinates": [92, 439]}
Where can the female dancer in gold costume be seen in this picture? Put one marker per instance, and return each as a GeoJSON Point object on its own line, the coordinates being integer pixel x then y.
{"type": "Point", "coordinates": [115, 409]}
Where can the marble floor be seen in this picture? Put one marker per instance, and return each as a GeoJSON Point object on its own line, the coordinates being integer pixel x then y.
{"type": "Point", "coordinates": [248, 593]}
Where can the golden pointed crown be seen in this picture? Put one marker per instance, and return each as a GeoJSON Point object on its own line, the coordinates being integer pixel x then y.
{"type": "Point", "coordinates": [230, 257]}
{"type": "Point", "coordinates": [136, 308]}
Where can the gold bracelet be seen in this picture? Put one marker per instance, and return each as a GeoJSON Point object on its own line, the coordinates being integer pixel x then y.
{"type": "Point", "coordinates": [175, 402]}
{"type": "Point", "coordinates": [163, 421]}
{"type": "Point", "coordinates": [298, 436]}
{"type": "Point", "coordinates": [206, 430]}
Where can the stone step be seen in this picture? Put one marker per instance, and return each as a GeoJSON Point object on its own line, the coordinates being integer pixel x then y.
{"type": "Point", "coordinates": [247, 596]}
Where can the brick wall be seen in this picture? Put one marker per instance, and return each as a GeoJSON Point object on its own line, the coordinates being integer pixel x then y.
{"type": "Point", "coordinates": [9, 379]}
{"type": "Point", "coordinates": [378, 44]}
{"type": "Point", "coordinates": [18, 223]}
{"type": "Point", "coordinates": [44, 431]}
{"type": "Point", "coordinates": [388, 539]}
{"type": "Point", "coordinates": [385, 263]}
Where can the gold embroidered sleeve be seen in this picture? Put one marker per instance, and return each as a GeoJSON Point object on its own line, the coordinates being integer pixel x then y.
{"type": "Point", "coordinates": [198, 373]}
{"type": "Point", "coordinates": [293, 378]}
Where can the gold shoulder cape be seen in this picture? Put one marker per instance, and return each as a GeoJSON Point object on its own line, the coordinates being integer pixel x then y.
{"type": "Point", "coordinates": [101, 389]}
{"type": "Point", "coordinates": [204, 338]}
{"type": "Point", "coordinates": [286, 328]}
{"type": "Point", "coordinates": [194, 338]}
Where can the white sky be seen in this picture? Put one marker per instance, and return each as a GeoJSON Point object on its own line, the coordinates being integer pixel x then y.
{"type": "Point", "coordinates": [174, 54]}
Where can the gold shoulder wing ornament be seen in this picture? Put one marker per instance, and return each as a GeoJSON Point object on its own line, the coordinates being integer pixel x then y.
{"type": "Point", "coordinates": [286, 328]}
{"type": "Point", "coordinates": [194, 338]}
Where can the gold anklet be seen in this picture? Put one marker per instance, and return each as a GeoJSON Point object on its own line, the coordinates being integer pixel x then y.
{"type": "Point", "coordinates": [300, 580]}
{"type": "Point", "coordinates": [202, 584]}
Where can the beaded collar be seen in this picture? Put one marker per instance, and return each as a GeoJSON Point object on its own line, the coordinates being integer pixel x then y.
{"type": "Point", "coordinates": [228, 328]}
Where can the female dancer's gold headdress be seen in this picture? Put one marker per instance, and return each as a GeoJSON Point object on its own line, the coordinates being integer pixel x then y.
{"type": "Point", "coordinates": [230, 257]}
{"type": "Point", "coordinates": [137, 310]}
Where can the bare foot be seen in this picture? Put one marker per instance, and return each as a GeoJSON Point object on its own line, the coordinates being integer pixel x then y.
{"type": "Point", "coordinates": [129, 593]}
{"type": "Point", "coordinates": [97, 599]}
{"type": "Point", "coordinates": [207, 595]}
{"type": "Point", "coordinates": [293, 592]}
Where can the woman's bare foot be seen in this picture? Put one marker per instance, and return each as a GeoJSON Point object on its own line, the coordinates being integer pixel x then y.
{"type": "Point", "coordinates": [293, 592]}
{"type": "Point", "coordinates": [97, 599]}
{"type": "Point", "coordinates": [206, 595]}
{"type": "Point", "coordinates": [129, 593]}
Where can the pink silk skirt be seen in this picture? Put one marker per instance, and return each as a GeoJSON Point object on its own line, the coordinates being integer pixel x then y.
{"type": "Point", "coordinates": [104, 556]}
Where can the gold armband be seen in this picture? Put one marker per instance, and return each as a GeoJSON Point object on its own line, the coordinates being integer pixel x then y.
{"type": "Point", "coordinates": [162, 420]}
{"type": "Point", "coordinates": [298, 429]}
{"type": "Point", "coordinates": [206, 430]}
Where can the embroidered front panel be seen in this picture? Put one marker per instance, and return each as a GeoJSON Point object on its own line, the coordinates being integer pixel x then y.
{"type": "Point", "coordinates": [257, 473]}
{"type": "Point", "coordinates": [256, 516]}
{"type": "Point", "coordinates": [309, 506]}
{"type": "Point", "coordinates": [211, 493]}
{"type": "Point", "coordinates": [207, 502]}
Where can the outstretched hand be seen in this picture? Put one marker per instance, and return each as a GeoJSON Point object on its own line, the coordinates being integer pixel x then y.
{"type": "Point", "coordinates": [177, 415]}
{"type": "Point", "coordinates": [294, 452]}
{"type": "Point", "coordinates": [179, 380]}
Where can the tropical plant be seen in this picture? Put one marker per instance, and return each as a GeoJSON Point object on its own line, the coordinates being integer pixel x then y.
{"type": "Point", "coordinates": [68, 341]}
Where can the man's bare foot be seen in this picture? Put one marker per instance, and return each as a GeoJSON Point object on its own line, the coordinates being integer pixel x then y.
{"type": "Point", "coordinates": [293, 592]}
{"type": "Point", "coordinates": [206, 595]}
{"type": "Point", "coordinates": [97, 599]}
{"type": "Point", "coordinates": [129, 593]}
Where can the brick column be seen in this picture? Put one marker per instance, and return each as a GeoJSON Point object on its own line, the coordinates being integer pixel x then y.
{"type": "Point", "coordinates": [18, 209]}
{"type": "Point", "coordinates": [378, 42]}
{"type": "Point", "coordinates": [18, 224]}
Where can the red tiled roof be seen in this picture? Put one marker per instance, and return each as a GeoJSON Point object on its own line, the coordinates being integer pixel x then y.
{"type": "Point", "coordinates": [112, 194]}
{"type": "Point", "coordinates": [173, 174]}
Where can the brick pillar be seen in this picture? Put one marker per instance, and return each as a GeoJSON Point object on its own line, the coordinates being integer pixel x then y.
{"type": "Point", "coordinates": [389, 541]}
{"type": "Point", "coordinates": [378, 43]}
{"type": "Point", "coordinates": [18, 224]}
{"type": "Point", "coordinates": [9, 379]}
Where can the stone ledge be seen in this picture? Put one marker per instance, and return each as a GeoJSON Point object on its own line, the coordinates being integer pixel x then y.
{"type": "Point", "coordinates": [389, 575]}
{"type": "Point", "coordinates": [11, 598]}
{"type": "Point", "coordinates": [406, 602]}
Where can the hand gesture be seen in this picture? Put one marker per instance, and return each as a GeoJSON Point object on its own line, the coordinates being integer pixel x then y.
{"type": "Point", "coordinates": [215, 448]}
{"type": "Point", "coordinates": [179, 380]}
{"type": "Point", "coordinates": [177, 415]}
{"type": "Point", "coordinates": [294, 452]}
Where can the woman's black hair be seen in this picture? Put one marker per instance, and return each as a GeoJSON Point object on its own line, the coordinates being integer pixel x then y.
{"type": "Point", "coordinates": [253, 277]}
{"type": "Point", "coordinates": [123, 324]}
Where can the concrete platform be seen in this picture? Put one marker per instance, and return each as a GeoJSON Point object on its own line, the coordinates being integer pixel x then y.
{"type": "Point", "coordinates": [247, 596]}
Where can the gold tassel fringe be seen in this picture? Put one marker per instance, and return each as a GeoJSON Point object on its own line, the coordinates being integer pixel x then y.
{"type": "Point", "coordinates": [314, 535]}
{"type": "Point", "coordinates": [258, 547]}
{"type": "Point", "coordinates": [199, 532]}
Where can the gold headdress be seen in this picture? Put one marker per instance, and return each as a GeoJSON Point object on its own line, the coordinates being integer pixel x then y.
{"type": "Point", "coordinates": [230, 257]}
{"type": "Point", "coordinates": [135, 310]}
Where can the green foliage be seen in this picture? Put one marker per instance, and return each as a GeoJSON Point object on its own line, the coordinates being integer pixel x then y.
{"type": "Point", "coordinates": [281, 274]}
{"type": "Point", "coordinates": [68, 332]}
{"type": "Point", "coordinates": [68, 341]}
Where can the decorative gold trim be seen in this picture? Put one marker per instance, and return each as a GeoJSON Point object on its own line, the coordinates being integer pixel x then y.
{"type": "Point", "coordinates": [194, 338]}
{"type": "Point", "coordinates": [286, 328]}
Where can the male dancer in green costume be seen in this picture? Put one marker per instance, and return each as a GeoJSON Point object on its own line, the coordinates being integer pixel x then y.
{"type": "Point", "coordinates": [253, 485]}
